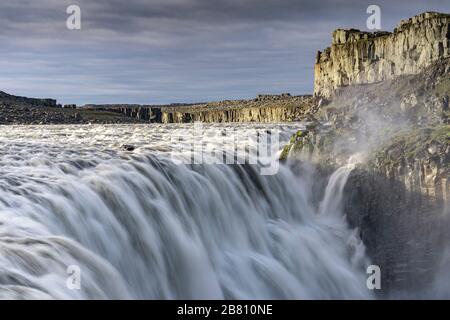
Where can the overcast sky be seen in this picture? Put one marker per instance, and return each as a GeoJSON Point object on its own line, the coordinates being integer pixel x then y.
{"type": "Point", "coordinates": [164, 51]}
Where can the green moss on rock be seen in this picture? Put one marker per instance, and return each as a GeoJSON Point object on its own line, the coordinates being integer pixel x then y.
{"type": "Point", "coordinates": [296, 144]}
{"type": "Point", "coordinates": [413, 144]}
{"type": "Point", "coordinates": [443, 87]}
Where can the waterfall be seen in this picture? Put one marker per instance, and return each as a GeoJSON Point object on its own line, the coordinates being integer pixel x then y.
{"type": "Point", "coordinates": [331, 205]}
{"type": "Point", "coordinates": [332, 201]}
{"type": "Point", "coordinates": [139, 225]}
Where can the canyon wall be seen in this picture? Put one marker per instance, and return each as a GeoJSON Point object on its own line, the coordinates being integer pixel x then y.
{"type": "Point", "coordinates": [397, 199]}
{"type": "Point", "coordinates": [357, 57]}
{"type": "Point", "coordinates": [399, 194]}
{"type": "Point", "coordinates": [400, 207]}
{"type": "Point", "coordinates": [140, 112]}
{"type": "Point", "coordinates": [11, 100]}
{"type": "Point", "coordinates": [259, 114]}
{"type": "Point", "coordinates": [264, 108]}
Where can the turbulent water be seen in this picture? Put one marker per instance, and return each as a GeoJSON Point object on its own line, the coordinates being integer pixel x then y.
{"type": "Point", "coordinates": [141, 225]}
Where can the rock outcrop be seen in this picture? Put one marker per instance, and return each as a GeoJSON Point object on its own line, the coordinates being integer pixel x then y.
{"type": "Point", "coordinates": [8, 99]}
{"type": "Point", "coordinates": [397, 124]}
{"type": "Point", "coordinates": [22, 115]}
{"type": "Point", "coordinates": [16, 110]}
{"type": "Point", "coordinates": [399, 200]}
{"type": "Point", "coordinates": [145, 113]}
{"type": "Point", "coordinates": [357, 57]}
{"type": "Point", "coordinates": [264, 108]}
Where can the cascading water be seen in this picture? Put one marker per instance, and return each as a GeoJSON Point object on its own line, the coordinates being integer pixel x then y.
{"type": "Point", "coordinates": [139, 225]}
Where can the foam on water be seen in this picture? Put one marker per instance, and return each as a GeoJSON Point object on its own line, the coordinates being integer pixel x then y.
{"type": "Point", "coordinates": [141, 226]}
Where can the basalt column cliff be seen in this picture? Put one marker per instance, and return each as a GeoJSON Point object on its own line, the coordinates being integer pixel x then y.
{"type": "Point", "coordinates": [357, 57]}
{"type": "Point", "coordinates": [387, 105]}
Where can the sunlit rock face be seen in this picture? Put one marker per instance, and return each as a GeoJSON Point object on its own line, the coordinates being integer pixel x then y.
{"type": "Point", "coordinates": [362, 57]}
{"type": "Point", "coordinates": [264, 108]}
{"type": "Point", "coordinates": [397, 120]}
{"type": "Point", "coordinates": [264, 114]}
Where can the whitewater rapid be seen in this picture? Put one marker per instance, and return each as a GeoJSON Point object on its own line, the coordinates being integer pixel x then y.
{"type": "Point", "coordinates": [139, 225]}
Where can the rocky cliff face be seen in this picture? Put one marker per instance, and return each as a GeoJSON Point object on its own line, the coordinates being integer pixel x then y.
{"type": "Point", "coordinates": [258, 114]}
{"type": "Point", "coordinates": [398, 196]}
{"type": "Point", "coordinates": [399, 200]}
{"type": "Point", "coordinates": [264, 108]}
{"type": "Point", "coordinates": [360, 57]}
{"type": "Point", "coordinates": [139, 112]}
{"type": "Point", "coordinates": [11, 100]}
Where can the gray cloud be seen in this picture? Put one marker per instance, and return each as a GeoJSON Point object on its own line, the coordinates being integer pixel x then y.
{"type": "Point", "coordinates": [159, 51]}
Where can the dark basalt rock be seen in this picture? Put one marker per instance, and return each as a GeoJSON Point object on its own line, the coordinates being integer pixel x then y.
{"type": "Point", "coordinates": [9, 99]}
{"type": "Point", "coordinates": [128, 147]}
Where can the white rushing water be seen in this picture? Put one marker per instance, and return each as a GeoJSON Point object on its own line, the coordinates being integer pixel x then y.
{"type": "Point", "coordinates": [139, 225]}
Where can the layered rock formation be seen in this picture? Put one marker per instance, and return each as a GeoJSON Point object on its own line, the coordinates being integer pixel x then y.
{"type": "Point", "coordinates": [397, 125]}
{"type": "Point", "coordinates": [262, 114]}
{"type": "Point", "coordinates": [16, 110]}
{"type": "Point", "coordinates": [398, 197]}
{"type": "Point", "coordinates": [140, 112]}
{"type": "Point", "coordinates": [9, 100]}
{"type": "Point", "coordinates": [264, 108]}
{"type": "Point", "coordinates": [361, 57]}
{"type": "Point", "coordinates": [399, 200]}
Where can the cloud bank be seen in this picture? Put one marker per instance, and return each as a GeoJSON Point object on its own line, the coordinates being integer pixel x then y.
{"type": "Point", "coordinates": [163, 51]}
